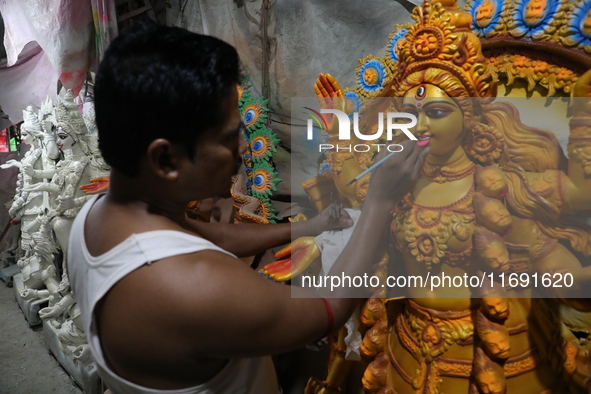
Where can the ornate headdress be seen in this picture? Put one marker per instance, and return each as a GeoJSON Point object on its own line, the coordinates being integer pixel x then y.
{"type": "Point", "coordinates": [68, 116]}
{"type": "Point", "coordinates": [438, 43]}
{"type": "Point", "coordinates": [46, 113]}
{"type": "Point", "coordinates": [32, 124]}
{"type": "Point", "coordinates": [438, 49]}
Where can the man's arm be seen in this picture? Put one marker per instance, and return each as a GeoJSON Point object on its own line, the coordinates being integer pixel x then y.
{"type": "Point", "coordinates": [249, 239]}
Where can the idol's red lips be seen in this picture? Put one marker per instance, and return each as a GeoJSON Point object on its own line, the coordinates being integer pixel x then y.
{"type": "Point", "coordinates": [424, 140]}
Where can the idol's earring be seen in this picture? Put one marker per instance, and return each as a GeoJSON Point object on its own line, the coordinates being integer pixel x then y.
{"type": "Point", "coordinates": [484, 144]}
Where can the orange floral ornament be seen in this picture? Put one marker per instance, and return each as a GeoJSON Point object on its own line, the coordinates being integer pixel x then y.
{"type": "Point", "coordinates": [563, 74]}
{"type": "Point", "coordinates": [540, 66]}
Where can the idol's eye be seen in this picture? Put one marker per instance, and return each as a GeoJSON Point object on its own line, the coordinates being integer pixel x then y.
{"type": "Point", "coordinates": [62, 136]}
{"type": "Point", "coordinates": [438, 113]}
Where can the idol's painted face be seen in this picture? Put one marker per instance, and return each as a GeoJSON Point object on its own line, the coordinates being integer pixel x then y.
{"type": "Point", "coordinates": [491, 180]}
{"type": "Point", "coordinates": [64, 140]}
{"type": "Point", "coordinates": [497, 214]}
{"type": "Point", "coordinates": [586, 26]}
{"type": "Point", "coordinates": [26, 137]}
{"type": "Point", "coordinates": [489, 383]}
{"type": "Point", "coordinates": [497, 257]}
{"type": "Point", "coordinates": [485, 13]}
{"type": "Point", "coordinates": [496, 307]}
{"type": "Point", "coordinates": [535, 11]}
{"type": "Point", "coordinates": [497, 343]}
{"type": "Point", "coordinates": [440, 123]}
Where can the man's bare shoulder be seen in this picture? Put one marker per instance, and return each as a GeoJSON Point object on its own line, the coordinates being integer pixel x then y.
{"type": "Point", "coordinates": [108, 224]}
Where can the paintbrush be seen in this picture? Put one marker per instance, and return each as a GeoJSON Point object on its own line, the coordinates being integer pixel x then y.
{"type": "Point", "coordinates": [370, 169]}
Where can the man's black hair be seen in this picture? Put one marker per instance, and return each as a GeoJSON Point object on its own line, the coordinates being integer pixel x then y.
{"type": "Point", "coordinates": [160, 82]}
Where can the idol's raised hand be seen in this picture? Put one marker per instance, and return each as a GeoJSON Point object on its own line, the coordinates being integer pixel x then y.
{"type": "Point", "coordinates": [330, 96]}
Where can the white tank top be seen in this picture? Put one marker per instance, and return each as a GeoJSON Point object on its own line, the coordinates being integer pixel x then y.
{"type": "Point", "coordinates": [92, 277]}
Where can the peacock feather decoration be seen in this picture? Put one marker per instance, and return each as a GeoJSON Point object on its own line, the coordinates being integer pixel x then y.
{"type": "Point", "coordinates": [262, 143]}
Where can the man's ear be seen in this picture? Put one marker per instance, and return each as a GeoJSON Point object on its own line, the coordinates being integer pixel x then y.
{"type": "Point", "coordinates": [163, 159]}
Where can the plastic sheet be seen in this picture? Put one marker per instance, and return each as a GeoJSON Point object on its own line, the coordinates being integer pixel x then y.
{"type": "Point", "coordinates": [64, 29]}
{"type": "Point", "coordinates": [28, 82]}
